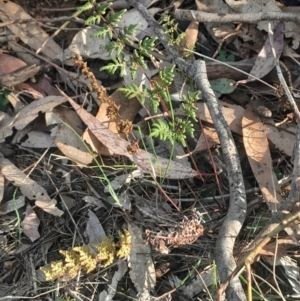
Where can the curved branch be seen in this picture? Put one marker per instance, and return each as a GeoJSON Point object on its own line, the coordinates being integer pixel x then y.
{"type": "Point", "coordinates": [237, 208]}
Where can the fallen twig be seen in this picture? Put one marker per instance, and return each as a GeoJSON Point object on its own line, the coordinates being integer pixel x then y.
{"type": "Point", "coordinates": [237, 208]}
{"type": "Point", "coordinates": [181, 14]}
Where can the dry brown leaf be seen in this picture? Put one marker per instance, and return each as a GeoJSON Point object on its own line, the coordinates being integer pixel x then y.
{"type": "Point", "coordinates": [65, 139]}
{"type": "Point", "coordinates": [281, 139]}
{"type": "Point", "coordinates": [211, 136]}
{"type": "Point", "coordinates": [234, 114]}
{"type": "Point", "coordinates": [39, 89]}
{"type": "Point", "coordinates": [10, 64]}
{"type": "Point", "coordinates": [191, 34]}
{"type": "Point", "coordinates": [71, 146]}
{"type": "Point", "coordinates": [49, 206]}
{"type": "Point", "coordinates": [28, 187]}
{"type": "Point", "coordinates": [31, 111]}
{"type": "Point", "coordinates": [5, 129]}
{"type": "Point", "coordinates": [159, 167]}
{"type": "Point", "coordinates": [30, 224]}
{"type": "Point", "coordinates": [257, 149]}
{"type": "Point", "coordinates": [29, 32]}
{"type": "Point", "coordinates": [142, 270]}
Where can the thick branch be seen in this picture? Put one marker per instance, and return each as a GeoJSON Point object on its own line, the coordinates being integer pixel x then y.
{"type": "Point", "coordinates": [181, 14]}
{"type": "Point", "coordinates": [237, 208]}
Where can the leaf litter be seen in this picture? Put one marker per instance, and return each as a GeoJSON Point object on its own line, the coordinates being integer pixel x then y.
{"type": "Point", "coordinates": [108, 199]}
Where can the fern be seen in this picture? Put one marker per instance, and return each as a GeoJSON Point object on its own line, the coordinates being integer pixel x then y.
{"type": "Point", "coordinates": [101, 9]}
{"type": "Point", "coordinates": [133, 90]}
{"type": "Point", "coordinates": [103, 32]}
{"type": "Point", "coordinates": [114, 18]}
{"type": "Point", "coordinates": [146, 46]}
{"type": "Point", "coordinates": [113, 67]}
{"type": "Point", "coordinates": [85, 7]}
{"type": "Point", "coordinates": [166, 75]}
{"type": "Point", "coordinates": [174, 128]}
{"type": "Point", "coordinates": [162, 131]}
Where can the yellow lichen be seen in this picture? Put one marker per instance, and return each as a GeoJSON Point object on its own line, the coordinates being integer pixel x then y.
{"type": "Point", "coordinates": [54, 270]}
{"type": "Point", "coordinates": [124, 244]}
{"type": "Point", "coordinates": [106, 251]}
{"type": "Point", "coordinates": [87, 257]}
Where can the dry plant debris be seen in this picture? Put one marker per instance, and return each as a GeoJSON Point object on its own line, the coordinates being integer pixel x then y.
{"type": "Point", "coordinates": [82, 159]}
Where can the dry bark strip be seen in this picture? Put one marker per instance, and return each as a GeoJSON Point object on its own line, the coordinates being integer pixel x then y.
{"type": "Point", "coordinates": [189, 15]}
{"type": "Point", "coordinates": [237, 208]}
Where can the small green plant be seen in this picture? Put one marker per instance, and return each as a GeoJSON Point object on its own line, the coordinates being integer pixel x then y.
{"type": "Point", "coordinates": [173, 129]}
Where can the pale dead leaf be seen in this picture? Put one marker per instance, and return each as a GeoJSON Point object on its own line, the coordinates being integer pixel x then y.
{"type": "Point", "coordinates": [281, 139]}
{"type": "Point", "coordinates": [5, 129]}
{"type": "Point", "coordinates": [28, 187]}
{"type": "Point", "coordinates": [147, 162]}
{"type": "Point", "coordinates": [66, 140]}
{"type": "Point", "coordinates": [265, 61]}
{"type": "Point", "coordinates": [94, 230]}
{"type": "Point", "coordinates": [30, 224]}
{"type": "Point", "coordinates": [10, 63]}
{"type": "Point", "coordinates": [142, 270]}
{"type": "Point", "coordinates": [43, 87]}
{"type": "Point", "coordinates": [49, 205]}
{"type": "Point", "coordinates": [234, 114]}
{"type": "Point", "coordinates": [15, 102]}
{"type": "Point", "coordinates": [27, 87]}
{"type": "Point", "coordinates": [85, 45]}
{"type": "Point", "coordinates": [257, 150]}
{"type": "Point", "coordinates": [31, 111]}
{"type": "Point", "coordinates": [38, 140]}
{"type": "Point", "coordinates": [72, 146]}
{"type": "Point", "coordinates": [211, 137]}
{"type": "Point", "coordinates": [12, 205]}
{"type": "Point", "coordinates": [29, 32]}
{"type": "Point", "coordinates": [191, 34]}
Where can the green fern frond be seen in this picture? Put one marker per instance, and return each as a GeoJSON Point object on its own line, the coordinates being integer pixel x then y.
{"type": "Point", "coordinates": [114, 18]}
{"type": "Point", "coordinates": [139, 59]}
{"type": "Point", "coordinates": [113, 67]}
{"type": "Point", "coordinates": [166, 75]}
{"type": "Point", "coordinates": [161, 130]}
{"type": "Point", "coordinates": [93, 20]}
{"type": "Point", "coordinates": [154, 101]}
{"type": "Point", "coordinates": [114, 48]}
{"type": "Point", "coordinates": [133, 90]}
{"type": "Point", "coordinates": [102, 32]}
{"type": "Point", "coordinates": [101, 8]}
{"type": "Point", "coordinates": [146, 46]}
{"type": "Point", "coordinates": [85, 7]}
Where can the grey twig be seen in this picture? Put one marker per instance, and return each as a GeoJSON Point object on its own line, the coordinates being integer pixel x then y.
{"type": "Point", "coordinates": [181, 14]}
{"type": "Point", "coordinates": [237, 208]}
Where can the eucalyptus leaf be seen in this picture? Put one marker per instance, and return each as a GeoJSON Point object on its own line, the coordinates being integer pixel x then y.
{"type": "Point", "coordinates": [223, 85]}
